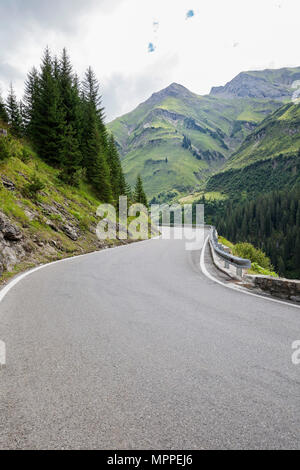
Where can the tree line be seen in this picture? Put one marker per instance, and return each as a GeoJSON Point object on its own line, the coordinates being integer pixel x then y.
{"type": "Point", "coordinates": [63, 118]}
{"type": "Point", "coordinates": [272, 223]}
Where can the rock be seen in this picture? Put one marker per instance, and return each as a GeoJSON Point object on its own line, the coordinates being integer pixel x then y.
{"type": "Point", "coordinates": [50, 210]}
{"type": "Point", "coordinates": [70, 232]}
{"type": "Point", "coordinates": [9, 231]}
{"type": "Point", "coordinates": [8, 184]}
{"type": "Point", "coordinates": [30, 215]}
{"type": "Point", "coordinates": [52, 225]}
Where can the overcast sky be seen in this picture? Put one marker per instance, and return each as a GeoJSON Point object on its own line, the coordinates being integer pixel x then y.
{"type": "Point", "coordinates": [137, 47]}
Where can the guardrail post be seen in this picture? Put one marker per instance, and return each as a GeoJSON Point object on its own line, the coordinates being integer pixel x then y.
{"type": "Point", "coordinates": [239, 272]}
{"type": "Point", "coordinates": [226, 264]}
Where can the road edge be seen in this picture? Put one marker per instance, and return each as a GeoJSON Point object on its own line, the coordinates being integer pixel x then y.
{"type": "Point", "coordinates": [234, 287]}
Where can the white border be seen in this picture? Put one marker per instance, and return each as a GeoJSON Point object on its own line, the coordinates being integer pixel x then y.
{"type": "Point", "coordinates": [234, 287]}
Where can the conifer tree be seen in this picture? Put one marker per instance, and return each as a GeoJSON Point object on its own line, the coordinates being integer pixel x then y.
{"type": "Point", "coordinates": [49, 114]}
{"type": "Point", "coordinates": [101, 179]}
{"type": "Point", "coordinates": [116, 172]}
{"type": "Point", "coordinates": [70, 157]}
{"type": "Point", "coordinates": [3, 112]}
{"type": "Point", "coordinates": [14, 114]}
{"type": "Point", "coordinates": [30, 99]}
{"type": "Point", "coordinates": [139, 193]}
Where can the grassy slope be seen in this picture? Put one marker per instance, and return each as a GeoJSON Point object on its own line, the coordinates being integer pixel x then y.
{"type": "Point", "coordinates": [155, 129]}
{"type": "Point", "coordinates": [277, 134]}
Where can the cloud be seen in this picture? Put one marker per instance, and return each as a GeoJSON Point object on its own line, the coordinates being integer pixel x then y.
{"type": "Point", "coordinates": [151, 47]}
{"type": "Point", "coordinates": [56, 14]}
{"type": "Point", "coordinates": [122, 93]}
{"type": "Point", "coordinates": [155, 25]}
{"type": "Point", "coordinates": [190, 14]}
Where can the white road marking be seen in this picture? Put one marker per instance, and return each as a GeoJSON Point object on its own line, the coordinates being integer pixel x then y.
{"type": "Point", "coordinates": [234, 287]}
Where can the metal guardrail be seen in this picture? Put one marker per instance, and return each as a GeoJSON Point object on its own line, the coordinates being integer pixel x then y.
{"type": "Point", "coordinates": [239, 263]}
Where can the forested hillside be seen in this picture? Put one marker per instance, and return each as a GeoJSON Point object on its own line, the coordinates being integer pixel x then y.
{"type": "Point", "coordinates": [57, 164]}
{"type": "Point", "coordinates": [64, 120]}
{"type": "Point", "coordinates": [271, 222]}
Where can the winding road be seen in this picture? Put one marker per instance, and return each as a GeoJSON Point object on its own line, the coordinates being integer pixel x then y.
{"type": "Point", "coordinates": [135, 348]}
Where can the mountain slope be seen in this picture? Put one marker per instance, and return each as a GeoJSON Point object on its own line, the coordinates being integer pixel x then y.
{"type": "Point", "coordinates": [41, 218]}
{"type": "Point", "coordinates": [268, 158]}
{"type": "Point", "coordinates": [176, 138]}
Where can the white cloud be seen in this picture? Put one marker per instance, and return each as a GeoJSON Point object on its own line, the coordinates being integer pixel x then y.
{"type": "Point", "coordinates": [113, 36]}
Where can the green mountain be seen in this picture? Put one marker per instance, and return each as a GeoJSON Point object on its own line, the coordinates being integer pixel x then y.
{"type": "Point", "coordinates": [177, 139]}
{"type": "Point", "coordinates": [269, 158]}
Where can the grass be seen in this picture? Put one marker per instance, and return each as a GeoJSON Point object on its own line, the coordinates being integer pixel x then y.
{"type": "Point", "coordinates": [209, 196]}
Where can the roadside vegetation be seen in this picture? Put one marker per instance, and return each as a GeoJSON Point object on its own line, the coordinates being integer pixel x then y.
{"type": "Point", "coordinates": [261, 264]}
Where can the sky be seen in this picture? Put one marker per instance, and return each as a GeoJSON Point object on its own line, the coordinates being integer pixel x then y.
{"type": "Point", "coordinates": [138, 47]}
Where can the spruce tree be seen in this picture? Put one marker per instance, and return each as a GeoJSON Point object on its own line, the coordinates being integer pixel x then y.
{"type": "Point", "coordinates": [49, 114]}
{"type": "Point", "coordinates": [30, 99]}
{"type": "Point", "coordinates": [70, 104]}
{"type": "Point", "coordinates": [70, 157]}
{"type": "Point", "coordinates": [14, 114]}
{"type": "Point", "coordinates": [139, 193]}
{"type": "Point", "coordinates": [116, 173]}
{"type": "Point", "coordinates": [101, 179]}
{"type": "Point", "coordinates": [3, 112]}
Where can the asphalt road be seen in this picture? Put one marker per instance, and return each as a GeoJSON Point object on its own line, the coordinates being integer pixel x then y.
{"type": "Point", "coordinates": [134, 348]}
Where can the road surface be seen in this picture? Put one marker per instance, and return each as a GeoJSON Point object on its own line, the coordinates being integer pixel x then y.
{"type": "Point", "coordinates": [134, 348]}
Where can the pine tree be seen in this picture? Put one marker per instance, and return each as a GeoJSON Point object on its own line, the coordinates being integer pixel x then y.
{"type": "Point", "coordinates": [91, 93]}
{"type": "Point", "coordinates": [139, 193]}
{"type": "Point", "coordinates": [94, 145]}
{"type": "Point", "coordinates": [101, 179]}
{"type": "Point", "coordinates": [70, 157]}
{"type": "Point", "coordinates": [116, 173]}
{"type": "Point", "coordinates": [50, 122]}
{"type": "Point", "coordinates": [13, 111]}
{"type": "Point", "coordinates": [30, 99]}
{"type": "Point", "coordinates": [3, 112]}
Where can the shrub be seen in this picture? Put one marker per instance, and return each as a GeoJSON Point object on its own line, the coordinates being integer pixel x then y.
{"type": "Point", "coordinates": [25, 155]}
{"type": "Point", "coordinates": [32, 189]}
{"type": "Point", "coordinates": [248, 251]}
{"type": "Point", "coordinates": [4, 149]}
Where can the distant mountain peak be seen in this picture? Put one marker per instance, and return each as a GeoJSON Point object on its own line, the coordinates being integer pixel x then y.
{"type": "Point", "coordinates": [172, 90]}
{"type": "Point", "coordinates": [270, 83]}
